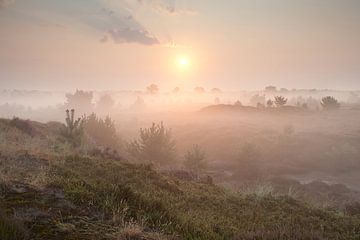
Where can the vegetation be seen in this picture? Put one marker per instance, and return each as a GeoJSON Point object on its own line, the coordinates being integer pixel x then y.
{"type": "Point", "coordinates": [280, 101]}
{"type": "Point", "coordinates": [73, 131]}
{"type": "Point", "coordinates": [195, 159]}
{"type": "Point", "coordinates": [10, 229]}
{"type": "Point", "coordinates": [101, 132]}
{"type": "Point", "coordinates": [105, 104]}
{"type": "Point", "coordinates": [152, 89]}
{"type": "Point", "coordinates": [154, 146]}
{"type": "Point", "coordinates": [270, 103]}
{"type": "Point", "coordinates": [80, 100]}
{"type": "Point", "coordinates": [82, 197]}
{"type": "Point", "coordinates": [329, 103]}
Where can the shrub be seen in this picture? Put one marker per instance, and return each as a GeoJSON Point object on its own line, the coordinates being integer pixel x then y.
{"type": "Point", "coordinates": [23, 125]}
{"type": "Point", "coordinates": [101, 131]}
{"type": "Point", "coordinates": [280, 101]}
{"type": "Point", "coordinates": [155, 145]}
{"type": "Point", "coordinates": [329, 103]}
{"type": "Point", "coordinates": [270, 103]}
{"type": "Point", "coordinates": [195, 159]}
{"type": "Point", "coordinates": [73, 130]}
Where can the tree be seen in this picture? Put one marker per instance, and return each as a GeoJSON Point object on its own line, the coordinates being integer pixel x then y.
{"type": "Point", "coordinates": [254, 100]}
{"type": "Point", "coordinates": [199, 90]}
{"type": "Point", "coordinates": [270, 89]}
{"type": "Point", "coordinates": [72, 131]}
{"type": "Point", "coordinates": [238, 103]}
{"type": "Point", "coordinates": [152, 89]}
{"type": "Point", "coordinates": [216, 91]}
{"type": "Point", "coordinates": [155, 145]}
{"type": "Point", "coordinates": [329, 103]}
{"type": "Point", "coordinates": [80, 100]}
{"type": "Point", "coordinates": [270, 103]}
{"type": "Point", "coordinates": [176, 90]}
{"type": "Point", "coordinates": [195, 159]}
{"type": "Point", "coordinates": [280, 101]}
{"type": "Point", "coordinates": [139, 104]}
{"type": "Point", "coordinates": [105, 103]}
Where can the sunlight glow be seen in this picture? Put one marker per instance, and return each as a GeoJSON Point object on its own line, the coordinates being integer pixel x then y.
{"type": "Point", "coordinates": [183, 62]}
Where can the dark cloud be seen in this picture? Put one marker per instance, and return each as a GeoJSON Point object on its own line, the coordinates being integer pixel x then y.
{"type": "Point", "coordinates": [128, 35]}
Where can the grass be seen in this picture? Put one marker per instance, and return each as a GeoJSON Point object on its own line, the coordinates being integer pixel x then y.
{"type": "Point", "coordinates": [100, 198]}
{"type": "Point", "coordinates": [193, 210]}
{"type": "Point", "coordinates": [11, 229]}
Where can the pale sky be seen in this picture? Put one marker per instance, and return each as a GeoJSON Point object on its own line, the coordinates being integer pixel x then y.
{"type": "Point", "coordinates": [129, 44]}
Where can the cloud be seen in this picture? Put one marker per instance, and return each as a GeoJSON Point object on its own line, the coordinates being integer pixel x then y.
{"type": "Point", "coordinates": [5, 3]}
{"type": "Point", "coordinates": [122, 27]}
{"type": "Point", "coordinates": [166, 6]}
{"type": "Point", "coordinates": [128, 35]}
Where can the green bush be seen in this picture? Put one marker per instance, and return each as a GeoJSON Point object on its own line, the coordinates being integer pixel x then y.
{"type": "Point", "coordinates": [101, 131]}
{"type": "Point", "coordinates": [155, 145]}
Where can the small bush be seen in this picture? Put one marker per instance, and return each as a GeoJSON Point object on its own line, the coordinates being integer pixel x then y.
{"type": "Point", "coordinates": [280, 101]}
{"type": "Point", "coordinates": [101, 131]}
{"type": "Point", "coordinates": [330, 103]}
{"type": "Point", "coordinates": [73, 130]}
{"type": "Point", "coordinates": [155, 145]}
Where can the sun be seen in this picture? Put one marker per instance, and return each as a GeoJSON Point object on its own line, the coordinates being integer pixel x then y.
{"type": "Point", "coordinates": [183, 62]}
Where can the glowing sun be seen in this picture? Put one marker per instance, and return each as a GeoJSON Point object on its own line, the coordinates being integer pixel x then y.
{"type": "Point", "coordinates": [183, 62]}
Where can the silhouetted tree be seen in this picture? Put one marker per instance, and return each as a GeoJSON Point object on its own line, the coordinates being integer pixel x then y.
{"type": "Point", "coordinates": [216, 91]}
{"type": "Point", "coordinates": [237, 103]}
{"type": "Point", "coordinates": [280, 101]}
{"type": "Point", "coordinates": [80, 100]}
{"type": "Point", "coordinates": [217, 100]}
{"type": "Point", "coordinates": [152, 89]}
{"type": "Point", "coordinates": [329, 103]}
{"type": "Point", "coordinates": [105, 103]}
{"type": "Point", "coordinates": [254, 100]}
{"type": "Point", "coordinates": [270, 103]}
{"type": "Point", "coordinates": [199, 90]}
{"type": "Point", "coordinates": [270, 89]}
{"type": "Point", "coordinates": [139, 104]}
{"type": "Point", "coordinates": [195, 159]}
{"type": "Point", "coordinates": [155, 145]}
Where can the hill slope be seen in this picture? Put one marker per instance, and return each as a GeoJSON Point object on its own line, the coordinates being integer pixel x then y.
{"type": "Point", "coordinates": [66, 195]}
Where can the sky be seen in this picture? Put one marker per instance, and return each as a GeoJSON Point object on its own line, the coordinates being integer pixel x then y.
{"type": "Point", "coordinates": [129, 44]}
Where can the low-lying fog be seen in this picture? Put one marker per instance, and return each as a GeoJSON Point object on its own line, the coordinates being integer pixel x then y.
{"type": "Point", "coordinates": [302, 140]}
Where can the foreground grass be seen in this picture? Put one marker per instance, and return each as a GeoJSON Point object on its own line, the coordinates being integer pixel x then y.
{"type": "Point", "coordinates": [192, 210]}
